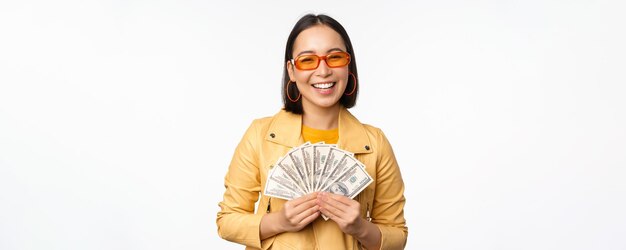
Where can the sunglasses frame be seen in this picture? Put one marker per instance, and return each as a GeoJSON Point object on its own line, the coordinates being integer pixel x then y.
{"type": "Point", "coordinates": [320, 58]}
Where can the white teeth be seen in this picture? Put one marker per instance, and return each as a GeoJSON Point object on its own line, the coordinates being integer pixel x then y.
{"type": "Point", "coordinates": [323, 85]}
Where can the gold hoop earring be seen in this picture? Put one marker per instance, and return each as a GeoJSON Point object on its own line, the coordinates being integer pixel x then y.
{"type": "Point", "coordinates": [354, 88]}
{"type": "Point", "coordinates": [287, 92]}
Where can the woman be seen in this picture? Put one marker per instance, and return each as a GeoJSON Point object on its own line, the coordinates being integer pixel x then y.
{"type": "Point", "coordinates": [320, 83]}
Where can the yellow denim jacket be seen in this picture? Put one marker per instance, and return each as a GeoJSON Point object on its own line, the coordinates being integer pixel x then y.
{"type": "Point", "coordinates": [269, 138]}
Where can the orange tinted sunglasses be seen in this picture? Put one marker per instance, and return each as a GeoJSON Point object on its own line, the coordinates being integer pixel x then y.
{"type": "Point", "coordinates": [310, 62]}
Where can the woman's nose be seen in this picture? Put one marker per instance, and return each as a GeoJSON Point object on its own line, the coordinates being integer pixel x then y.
{"type": "Point", "coordinates": [323, 70]}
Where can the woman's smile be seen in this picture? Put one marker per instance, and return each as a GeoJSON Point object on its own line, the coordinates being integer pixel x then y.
{"type": "Point", "coordinates": [324, 85]}
{"type": "Point", "coordinates": [324, 88]}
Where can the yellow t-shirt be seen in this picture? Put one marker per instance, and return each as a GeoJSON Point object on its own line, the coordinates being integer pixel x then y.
{"type": "Point", "coordinates": [315, 135]}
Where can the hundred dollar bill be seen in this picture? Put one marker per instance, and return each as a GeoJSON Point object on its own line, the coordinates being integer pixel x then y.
{"type": "Point", "coordinates": [278, 175]}
{"type": "Point", "coordinates": [307, 154]}
{"type": "Point", "coordinates": [275, 189]}
{"type": "Point", "coordinates": [298, 164]}
{"type": "Point", "coordinates": [351, 182]}
{"type": "Point", "coordinates": [287, 169]}
{"type": "Point", "coordinates": [332, 159]}
{"type": "Point", "coordinates": [320, 155]}
{"type": "Point", "coordinates": [338, 169]}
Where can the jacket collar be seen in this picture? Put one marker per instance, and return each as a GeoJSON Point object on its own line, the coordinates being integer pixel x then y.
{"type": "Point", "coordinates": [286, 129]}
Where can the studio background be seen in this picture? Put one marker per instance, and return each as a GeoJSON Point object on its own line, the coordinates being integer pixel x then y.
{"type": "Point", "coordinates": [118, 119]}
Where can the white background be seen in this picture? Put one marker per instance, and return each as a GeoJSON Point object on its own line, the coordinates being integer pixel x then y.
{"type": "Point", "coordinates": [118, 119]}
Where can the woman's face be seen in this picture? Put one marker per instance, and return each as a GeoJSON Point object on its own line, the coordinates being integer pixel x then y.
{"type": "Point", "coordinates": [324, 86]}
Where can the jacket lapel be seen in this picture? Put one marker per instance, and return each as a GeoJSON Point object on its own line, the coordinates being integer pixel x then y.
{"type": "Point", "coordinates": [352, 134]}
{"type": "Point", "coordinates": [286, 129]}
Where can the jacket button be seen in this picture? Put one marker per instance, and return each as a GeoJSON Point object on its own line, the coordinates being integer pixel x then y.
{"type": "Point", "coordinates": [367, 147]}
{"type": "Point", "coordinates": [272, 135]}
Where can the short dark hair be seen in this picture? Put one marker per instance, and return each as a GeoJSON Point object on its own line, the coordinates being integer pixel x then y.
{"type": "Point", "coordinates": [306, 22]}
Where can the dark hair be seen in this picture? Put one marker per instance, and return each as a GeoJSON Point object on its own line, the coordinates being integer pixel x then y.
{"type": "Point", "coordinates": [306, 22]}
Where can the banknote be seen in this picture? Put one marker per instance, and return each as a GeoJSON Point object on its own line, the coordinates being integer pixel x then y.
{"type": "Point", "coordinates": [351, 182]}
{"type": "Point", "coordinates": [316, 167]}
{"type": "Point", "coordinates": [282, 177]}
{"type": "Point", "coordinates": [320, 155]}
{"type": "Point", "coordinates": [275, 189]}
{"type": "Point", "coordinates": [307, 156]}
{"type": "Point", "coordinates": [287, 166]}
{"type": "Point", "coordinates": [334, 157]}
{"type": "Point", "coordinates": [297, 159]}
{"type": "Point", "coordinates": [341, 167]}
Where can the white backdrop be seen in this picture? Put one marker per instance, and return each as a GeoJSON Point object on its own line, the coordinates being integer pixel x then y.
{"type": "Point", "coordinates": [118, 119]}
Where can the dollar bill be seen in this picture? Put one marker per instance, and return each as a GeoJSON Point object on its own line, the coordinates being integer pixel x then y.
{"type": "Point", "coordinates": [275, 189]}
{"type": "Point", "coordinates": [343, 165]}
{"type": "Point", "coordinates": [307, 155]}
{"type": "Point", "coordinates": [332, 158]}
{"type": "Point", "coordinates": [298, 164]}
{"type": "Point", "coordinates": [280, 176]}
{"type": "Point", "coordinates": [287, 167]}
{"type": "Point", "coordinates": [351, 182]}
{"type": "Point", "coordinates": [320, 155]}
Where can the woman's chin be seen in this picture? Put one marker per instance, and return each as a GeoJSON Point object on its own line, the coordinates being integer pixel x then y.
{"type": "Point", "coordinates": [327, 103]}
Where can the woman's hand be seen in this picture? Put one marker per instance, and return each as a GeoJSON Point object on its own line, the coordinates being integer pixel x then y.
{"type": "Point", "coordinates": [298, 213]}
{"type": "Point", "coordinates": [344, 211]}
{"type": "Point", "coordinates": [294, 216]}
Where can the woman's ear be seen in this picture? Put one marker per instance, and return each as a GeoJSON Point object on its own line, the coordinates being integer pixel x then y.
{"type": "Point", "coordinates": [290, 71]}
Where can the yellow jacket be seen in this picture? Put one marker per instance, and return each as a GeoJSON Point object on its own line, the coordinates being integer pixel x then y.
{"type": "Point", "coordinates": [269, 138]}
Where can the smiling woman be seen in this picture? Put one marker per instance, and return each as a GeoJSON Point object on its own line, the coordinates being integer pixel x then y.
{"type": "Point", "coordinates": [320, 83]}
{"type": "Point", "coordinates": [320, 80]}
{"type": "Point", "coordinates": [309, 38]}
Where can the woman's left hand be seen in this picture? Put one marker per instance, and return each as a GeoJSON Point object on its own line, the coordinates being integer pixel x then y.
{"type": "Point", "coordinates": [344, 211]}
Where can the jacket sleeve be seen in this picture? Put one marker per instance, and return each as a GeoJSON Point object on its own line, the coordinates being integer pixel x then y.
{"type": "Point", "coordinates": [388, 207]}
{"type": "Point", "coordinates": [237, 221]}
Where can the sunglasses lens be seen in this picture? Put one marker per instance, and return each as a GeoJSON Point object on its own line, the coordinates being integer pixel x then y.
{"type": "Point", "coordinates": [337, 59]}
{"type": "Point", "coordinates": [307, 62]}
{"type": "Point", "coordinates": [333, 60]}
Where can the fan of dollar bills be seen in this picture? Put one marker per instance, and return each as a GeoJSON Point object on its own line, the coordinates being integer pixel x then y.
{"type": "Point", "coordinates": [316, 167]}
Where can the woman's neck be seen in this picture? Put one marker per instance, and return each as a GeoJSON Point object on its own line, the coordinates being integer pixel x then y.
{"type": "Point", "coordinates": [321, 118]}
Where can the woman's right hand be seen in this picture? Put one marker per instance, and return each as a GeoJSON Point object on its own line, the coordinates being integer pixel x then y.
{"type": "Point", "coordinates": [294, 216]}
{"type": "Point", "coordinates": [298, 213]}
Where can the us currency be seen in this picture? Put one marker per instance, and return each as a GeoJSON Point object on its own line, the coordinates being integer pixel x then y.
{"type": "Point", "coordinates": [280, 176]}
{"type": "Point", "coordinates": [307, 156]}
{"type": "Point", "coordinates": [320, 155]}
{"type": "Point", "coordinates": [343, 165]}
{"type": "Point", "coordinates": [333, 157]}
{"type": "Point", "coordinates": [275, 189]}
{"type": "Point", "coordinates": [316, 167]}
{"type": "Point", "coordinates": [287, 167]}
{"type": "Point", "coordinates": [351, 182]}
{"type": "Point", "coordinates": [337, 168]}
{"type": "Point", "coordinates": [298, 164]}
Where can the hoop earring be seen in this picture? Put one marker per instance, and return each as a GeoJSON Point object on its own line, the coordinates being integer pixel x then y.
{"type": "Point", "coordinates": [287, 93]}
{"type": "Point", "coordinates": [354, 88]}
